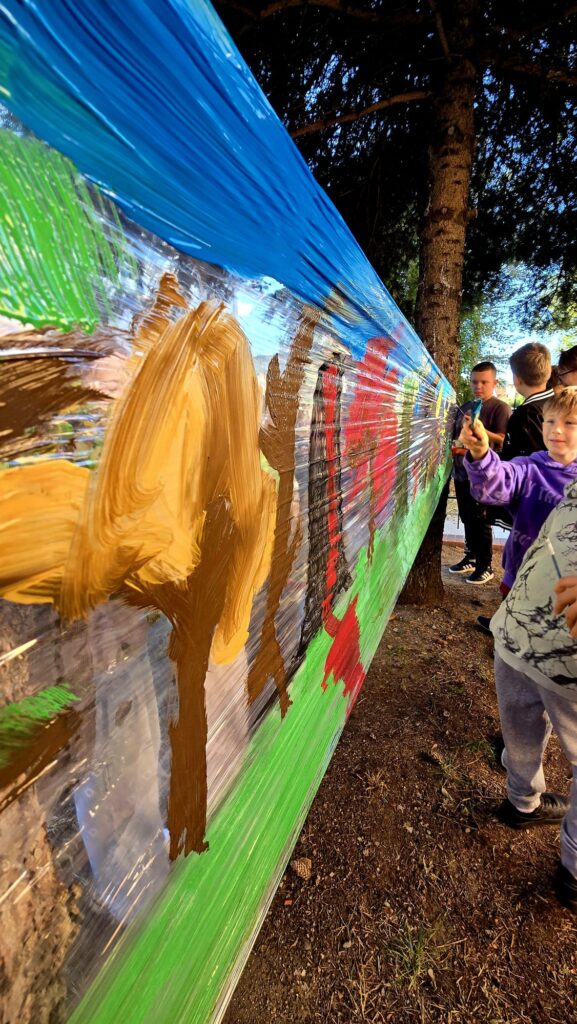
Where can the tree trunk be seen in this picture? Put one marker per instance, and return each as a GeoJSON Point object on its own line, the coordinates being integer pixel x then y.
{"type": "Point", "coordinates": [443, 250]}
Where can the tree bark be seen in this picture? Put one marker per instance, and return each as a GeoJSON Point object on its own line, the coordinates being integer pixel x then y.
{"type": "Point", "coordinates": [443, 249]}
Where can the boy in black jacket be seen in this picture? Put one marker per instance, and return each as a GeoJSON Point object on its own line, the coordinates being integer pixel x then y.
{"type": "Point", "coordinates": [531, 366]}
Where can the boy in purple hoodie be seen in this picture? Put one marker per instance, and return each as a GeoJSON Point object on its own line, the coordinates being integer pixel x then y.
{"type": "Point", "coordinates": [530, 485]}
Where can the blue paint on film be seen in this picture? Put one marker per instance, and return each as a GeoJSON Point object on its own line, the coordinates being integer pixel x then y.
{"type": "Point", "coordinates": [152, 100]}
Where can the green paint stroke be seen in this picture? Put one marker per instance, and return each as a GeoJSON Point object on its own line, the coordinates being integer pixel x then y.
{"type": "Point", "coordinates": [20, 721]}
{"type": "Point", "coordinates": [61, 242]}
{"type": "Point", "coordinates": [180, 964]}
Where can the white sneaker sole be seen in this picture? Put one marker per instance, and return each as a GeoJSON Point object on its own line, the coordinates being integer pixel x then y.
{"type": "Point", "coordinates": [479, 583]}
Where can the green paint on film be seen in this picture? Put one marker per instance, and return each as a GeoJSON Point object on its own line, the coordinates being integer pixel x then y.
{"type": "Point", "coordinates": [61, 242]}
{"type": "Point", "coordinates": [19, 721]}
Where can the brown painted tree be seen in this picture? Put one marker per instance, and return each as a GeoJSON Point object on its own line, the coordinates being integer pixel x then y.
{"type": "Point", "coordinates": [277, 442]}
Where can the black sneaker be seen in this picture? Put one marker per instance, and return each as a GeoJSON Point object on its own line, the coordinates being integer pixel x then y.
{"type": "Point", "coordinates": [483, 624]}
{"type": "Point", "coordinates": [480, 576]}
{"type": "Point", "coordinates": [551, 811]}
{"type": "Point", "coordinates": [566, 888]}
{"type": "Point", "coordinates": [465, 565]}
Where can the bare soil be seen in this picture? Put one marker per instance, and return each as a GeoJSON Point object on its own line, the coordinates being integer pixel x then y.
{"type": "Point", "coordinates": [421, 906]}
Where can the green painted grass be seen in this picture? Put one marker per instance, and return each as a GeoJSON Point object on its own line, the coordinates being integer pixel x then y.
{"type": "Point", "coordinates": [18, 721]}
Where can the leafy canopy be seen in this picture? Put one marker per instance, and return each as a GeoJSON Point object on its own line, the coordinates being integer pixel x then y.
{"type": "Point", "coordinates": [329, 61]}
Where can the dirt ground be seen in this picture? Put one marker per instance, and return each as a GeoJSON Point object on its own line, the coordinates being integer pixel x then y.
{"type": "Point", "coordinates": [420, 905]}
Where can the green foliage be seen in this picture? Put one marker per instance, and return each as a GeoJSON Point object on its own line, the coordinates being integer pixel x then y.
{"type": "Point", "coordinates": [472, 336]}
{"type": "Point", "coordinates": [346, 57]}
{"type": "Point", "coordinates": [485, 334]}
{"type": "Point", "coordinates": [557, 317]}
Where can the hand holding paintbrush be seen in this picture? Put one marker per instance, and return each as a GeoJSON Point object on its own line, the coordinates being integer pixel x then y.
{"type": "Point", "coordinates": [566, 601]}
{"type": "Point", "coordinates": [474, 437]}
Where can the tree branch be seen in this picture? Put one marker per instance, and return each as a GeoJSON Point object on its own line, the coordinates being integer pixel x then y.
{"type": "Point", "coordinates": [335, 5]}
{"type": "Point", "coordinates": [530, 30]}
{"type": "Point", "coordinates": [247, 11]}
{"type": "Point", "coordinates": [533, 69]}
{"type": "Point", "coordinates": [339, 6]}
{"type": "Point", "coordinates": [330, 121]}
{"type": "Point", "coordinates": [440, 29]}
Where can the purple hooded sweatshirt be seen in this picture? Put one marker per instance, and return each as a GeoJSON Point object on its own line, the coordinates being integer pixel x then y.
{"type": "Point", "coordinates": [530, 486]}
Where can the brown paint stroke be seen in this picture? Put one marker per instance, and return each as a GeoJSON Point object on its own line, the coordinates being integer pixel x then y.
{"type": "Point", "coordinates": [277, 442]}
{"type": "Point", "coordinates": [44, 373]}
{"type": "Point", "coordinates": [194, 611]}
{"type": "Point", "coordinates": [184, 436]}
{"type": "Point", "coordinates": [28, 762]}
{"type": "Point", "coordinates": [185, 432]}
{"type": "Point", "coordinates": [32, 390]}
{"type": "Point", "coordinates": [320, 470]}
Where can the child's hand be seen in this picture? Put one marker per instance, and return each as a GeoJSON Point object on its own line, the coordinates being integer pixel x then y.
{"type": "Point", "coordinates": [566, 590]}
{"type": "Point", "coordinates": [474, 438]}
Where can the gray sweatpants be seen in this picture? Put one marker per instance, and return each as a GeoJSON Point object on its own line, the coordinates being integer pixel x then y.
{"type": "Point", "coordinates": [528, 713]}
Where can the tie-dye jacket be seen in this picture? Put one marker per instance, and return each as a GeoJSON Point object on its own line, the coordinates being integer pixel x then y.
{"type": "Point", "coordinates": [528, 635]}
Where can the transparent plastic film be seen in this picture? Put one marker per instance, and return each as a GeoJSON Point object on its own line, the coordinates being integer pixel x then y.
{"type": "Point", "coordinates": [221, 444]}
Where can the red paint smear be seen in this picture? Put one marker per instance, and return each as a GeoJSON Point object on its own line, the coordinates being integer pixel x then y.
{"type": "Point", "coordinates": [344, 658]}
{"type": "Point", "coordinates": [372, 424]}
{"type": "Point", "coordinates": [330, 396]}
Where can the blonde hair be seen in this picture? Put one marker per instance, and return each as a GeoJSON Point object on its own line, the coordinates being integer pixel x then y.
{"type": "Point", "coordinates": [564, 402]}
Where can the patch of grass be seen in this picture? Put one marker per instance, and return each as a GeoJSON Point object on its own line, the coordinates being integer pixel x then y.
{"type": "Point", "coordinates": [376, 781]}
{"type": "Point", "coordinates": [456, 689]}
{"type": "Point", "coordinates": [481, 746]}
{"type": "Point", "coordinates": [416, 952]}
{"type": "Point", "coordinates": [485, 748]}
{"type": "Point", "coordinates": [446, 767]}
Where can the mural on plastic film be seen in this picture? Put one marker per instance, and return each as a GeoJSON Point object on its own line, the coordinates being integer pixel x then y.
{"type": "Point", "coordinates": [212, 485]}
{"type": "Point", "coordinates": [196, 543]}
{"type": "Point", "coordinates": [146, 466]}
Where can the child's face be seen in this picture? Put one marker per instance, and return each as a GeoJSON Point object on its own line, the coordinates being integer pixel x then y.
{"type": "Point", "coordinates": [560, 436]}
{"type": "Point", "coordinates": [483, 384]}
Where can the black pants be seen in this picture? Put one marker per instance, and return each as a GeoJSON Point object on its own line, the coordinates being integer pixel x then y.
{"type": "Point", "coordinates": [478, 533]}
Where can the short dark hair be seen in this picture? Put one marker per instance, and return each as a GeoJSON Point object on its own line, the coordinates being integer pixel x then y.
{"type": "Point", "coordinates": [532, 363]}
{"type": "Point", "coordinates": [484, 365]}
{"type": "Point", "coordinates": [568, 360]}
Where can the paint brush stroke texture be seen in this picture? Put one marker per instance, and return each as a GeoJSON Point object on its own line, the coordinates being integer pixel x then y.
{"type": "Point", "coordinates": [60, 241]}
{"type": "Point", "coordinates": [154, 103]}
{"type": "Point", "coordinates": [179, 516]}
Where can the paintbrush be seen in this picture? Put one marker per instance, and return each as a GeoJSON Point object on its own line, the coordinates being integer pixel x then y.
{"type": "Point", "coordinates": [475, 410]}
{"type": "Point", "coordinates": [474, 414]}
{"type": "Point", "coordinates": [551, 551]}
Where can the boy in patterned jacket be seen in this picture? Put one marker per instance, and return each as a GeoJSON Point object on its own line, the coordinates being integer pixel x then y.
{"type": "Point", "coordinates": [536, 673]}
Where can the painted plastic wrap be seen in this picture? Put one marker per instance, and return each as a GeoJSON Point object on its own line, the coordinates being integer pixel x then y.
{"type": "Point", "coordinates": [220, 447]}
